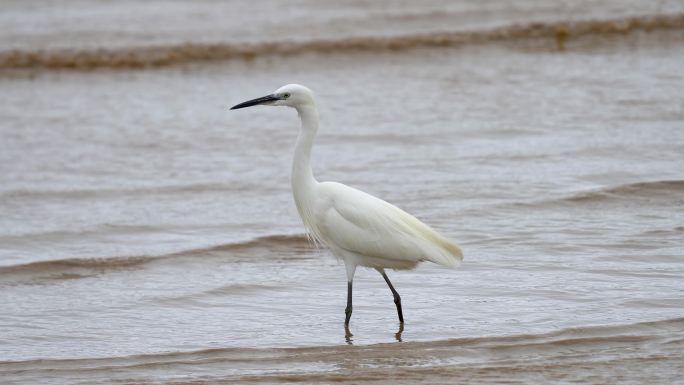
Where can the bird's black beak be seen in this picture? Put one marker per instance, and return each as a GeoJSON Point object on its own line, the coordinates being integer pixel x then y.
{"type": "Point", "coordinates": [257, 101]}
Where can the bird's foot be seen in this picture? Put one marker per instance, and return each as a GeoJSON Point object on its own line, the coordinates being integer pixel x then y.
{"type": "Point", "coordinates": [348, 335]}
{"type": "Point", "coordinates": [397, 335]}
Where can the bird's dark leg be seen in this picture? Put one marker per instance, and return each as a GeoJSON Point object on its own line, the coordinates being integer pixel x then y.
{"type": "Point", "coordinates": [397, 298]}
{"type": "Point", "coordinates": [348, 310]}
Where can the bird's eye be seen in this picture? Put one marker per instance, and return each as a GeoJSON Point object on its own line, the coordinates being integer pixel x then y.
{"type": "Point", "coordinates": [286, 95]}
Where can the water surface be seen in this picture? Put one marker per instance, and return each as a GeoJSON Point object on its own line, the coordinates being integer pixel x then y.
{"type": "Point", "coordinates": [149, 235]}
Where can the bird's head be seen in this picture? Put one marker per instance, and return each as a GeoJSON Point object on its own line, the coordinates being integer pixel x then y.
{"type": "Point", "coordinates": [291, 95]}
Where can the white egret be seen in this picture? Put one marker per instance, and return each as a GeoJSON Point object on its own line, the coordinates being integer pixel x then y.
{"type": "Point", "coordinates": [359, 228]}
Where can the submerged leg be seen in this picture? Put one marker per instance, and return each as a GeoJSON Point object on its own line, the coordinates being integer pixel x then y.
{"type": "Point", "coordinates": [397, 298]}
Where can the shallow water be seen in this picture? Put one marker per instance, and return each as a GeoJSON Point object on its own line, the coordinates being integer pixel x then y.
{"type": "Point", "coordinates": [149, 235]}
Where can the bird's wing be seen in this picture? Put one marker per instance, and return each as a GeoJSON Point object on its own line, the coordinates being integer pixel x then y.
{"type": "Point", "coordinates": [363, 224]}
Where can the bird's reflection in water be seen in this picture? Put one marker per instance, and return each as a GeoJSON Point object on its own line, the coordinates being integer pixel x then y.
{"type": "Point", "coordinates": [350, 341]}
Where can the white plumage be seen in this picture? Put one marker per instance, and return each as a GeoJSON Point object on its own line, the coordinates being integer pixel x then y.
{"type": "Point", "coordinates": [380, 234]}
{"type": "Point", "coordinates": [360, 229]}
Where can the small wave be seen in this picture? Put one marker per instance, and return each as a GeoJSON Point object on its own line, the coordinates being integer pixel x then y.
{"type": "Point", "coordinates": [269, 241]}
{"type": "Point", "coordinates": [581, 344]}
{"type": "Point", "coordinates": [118, 192]}
{"type": "Point", "coordinates": [155, 56]}
{"type": "Point", "coordinates": [61, 266]}
{"type": "Point", "coordinates": [203, 299]}
{"type": "Point", "coordinates": [660, 189]}
{"type": "Point", "coordinates": [69, 267]}
{"type": "Point", "coordinates": [629, 190]}
{"type": "Point", "coordinates": [674, 230]}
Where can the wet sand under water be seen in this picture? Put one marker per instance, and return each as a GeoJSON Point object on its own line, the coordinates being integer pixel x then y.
{"type": "Point", "coordinates": [149, 235]}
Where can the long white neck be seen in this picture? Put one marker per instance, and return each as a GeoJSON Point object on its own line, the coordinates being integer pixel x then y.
{"type": "Point", "coordinates": [303, 181]}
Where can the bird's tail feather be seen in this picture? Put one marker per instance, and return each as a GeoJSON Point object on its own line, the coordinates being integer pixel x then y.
{"type": "Point", "coordinates": [449, 254]}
